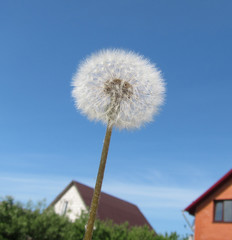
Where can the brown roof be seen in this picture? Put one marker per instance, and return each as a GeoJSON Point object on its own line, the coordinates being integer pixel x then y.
{"type": "Point", "coordinates": [110, 207]}
{"type": "Point", "coordinates": [193, 206]}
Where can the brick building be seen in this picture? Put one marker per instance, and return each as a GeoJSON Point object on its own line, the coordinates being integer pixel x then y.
{"type": "Point", "coordinates": [213, 211]}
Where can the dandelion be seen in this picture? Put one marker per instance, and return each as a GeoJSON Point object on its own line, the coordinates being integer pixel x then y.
{"type": "Point", "coordinates": [123, 90]}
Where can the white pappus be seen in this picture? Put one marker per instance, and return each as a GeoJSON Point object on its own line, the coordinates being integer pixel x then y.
{"type": "Point", "coordinates": [119, 88]}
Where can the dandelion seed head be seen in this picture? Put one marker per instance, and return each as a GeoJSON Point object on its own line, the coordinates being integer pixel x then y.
{"type": "Point", "coordinates": [118, 87]}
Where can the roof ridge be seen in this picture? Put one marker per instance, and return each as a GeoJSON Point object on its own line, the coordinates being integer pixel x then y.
{"type": "Point", "coordinates": [107, 194]}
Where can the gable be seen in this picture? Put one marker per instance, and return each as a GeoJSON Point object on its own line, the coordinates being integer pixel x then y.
{"type": "Point", "coordinates": [222, 188]}
{"type": "Point", "coordinates": [70, 203]}
{"type": "Point", "coordinates": [225, 192]}
{"type": "Point", "coordinates": [222, 193]}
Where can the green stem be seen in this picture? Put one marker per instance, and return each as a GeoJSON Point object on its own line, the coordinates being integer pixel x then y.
{"type": "Point", "coordinates": [98, 185]}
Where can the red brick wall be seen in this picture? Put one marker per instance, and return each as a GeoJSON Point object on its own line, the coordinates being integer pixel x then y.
{"type": "Point", "coordinates": [205, 227]}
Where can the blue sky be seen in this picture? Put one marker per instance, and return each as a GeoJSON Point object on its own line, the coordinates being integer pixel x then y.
{"type": "Point", "coordinates": [45, 142]}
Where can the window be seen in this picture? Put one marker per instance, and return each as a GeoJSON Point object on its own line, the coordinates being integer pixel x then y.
{"type": "Point", "coordinates": [64, 207]}
{"type": "Point", "coordinates": [223, 211]}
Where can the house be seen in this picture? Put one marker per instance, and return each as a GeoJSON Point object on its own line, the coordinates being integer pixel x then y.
{"type": "Point", "coordinates": [76, 197]}
{"type": "Point", "coordinates": [213, 211]}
